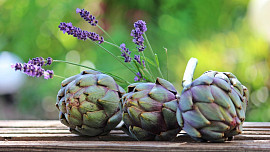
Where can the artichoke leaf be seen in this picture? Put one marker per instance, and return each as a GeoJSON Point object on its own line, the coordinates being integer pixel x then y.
{"type": "Point", "coordinates": [195, 118]}
{"type": "Point", "coordinates": [88, 107]}
{"type": "Point", "coordinates": [134, 114]}
{"type": "Point", "coordinates": [169, 118]}
{"type": "Point", "coordinates": [161, 94]}
{"type": "Point", "coordinates": [95, 92]}
{"type": "Point", "coordinates": [202, 93]}
{"type": "Point", "coordinates": [107, 81]}
{"type": "Point", "coordinates": [87, 80]}
{"type": "Point", "coordinates": [220, 97]}
{"type": "Point", "coordinates": [202, 80]}
{"type": "Point", "coordinates": [152, 121]}
{"type": "Point", "coordinates": [149, 104]}
{"type": "Point", "coordinates": [96, 119]}
{"type": "Point", "coordinates": [191, 130]}
{"type": "Point", "coordinates": [141, 134]}
{"type": "Point", "coordinates": [86, 130]}
{"type": "Point", "coordinates": [185, 102]}
{"type": "Point", "coordinates": [210, 111]}
{"type": "Point", "coordinates": [171, 105]}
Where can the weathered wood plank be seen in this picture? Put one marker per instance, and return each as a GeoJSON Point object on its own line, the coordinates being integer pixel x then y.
{"type": "Point", "coordinates": [256, 129]}
{"type": "Point", "coordinates": [134, 146]}
{"type": "Point", "coordinates": [256, 124]}
{"type": "Point", "coordinates": [33, 131]}
{"type": "Point", "coordinates": [31, 123]}
{"type": "Point", "coordinates": [256, 132]}
{"type": "Point", "coordinates": [51, 135]}
{"type": "Point", "coordinates": [62, 137]}
{"type": "Point", "coordinates": [42, 130]}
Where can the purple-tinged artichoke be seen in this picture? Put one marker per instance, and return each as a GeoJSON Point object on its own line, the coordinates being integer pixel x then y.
{"type": "Point", "coordinates": [212, 107]}
{"type": "Point", "coordinates": [89, 103]}
{"type": "Point", "coordinates": [149, 110]}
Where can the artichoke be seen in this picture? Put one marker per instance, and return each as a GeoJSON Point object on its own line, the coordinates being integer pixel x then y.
{"type": "Point", "coordinates": [212, 108]}
{"type": "Point", "coordinates": [89, 103]}
{"type": "Point", "coordinates": [149, 110]}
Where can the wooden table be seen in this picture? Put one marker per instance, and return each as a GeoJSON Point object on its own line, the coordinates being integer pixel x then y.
{"type": "Point", "coordinates": [51, 135]}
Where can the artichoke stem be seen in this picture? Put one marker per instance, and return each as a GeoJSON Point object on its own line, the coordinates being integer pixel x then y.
{"type": "Point", "coordinates": [188, 75]}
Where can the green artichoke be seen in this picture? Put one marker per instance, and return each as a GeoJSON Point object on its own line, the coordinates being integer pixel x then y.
{"type": "Point", "coordinates": [212, 108]}
{"type": "Point", "coordinates": [89, 103]}
{"type": "Point", "coordinates": [149, 110]}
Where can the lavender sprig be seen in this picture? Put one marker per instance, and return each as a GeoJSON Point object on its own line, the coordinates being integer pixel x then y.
{"type": "Point", "coordinates": [139, 36]}
{"type": "Point", "coordinates": [49, 61]}
{"type": "Point", "coordinates": [137, 33]}
{"type": "Point", "coordinates": [79, 33]}
{"type": "Point", "coordinates": [39, 61]}
{"type": "Point", "coordinates": [48, 74]}
{"type": "Point", "coordinates": [138, 77]}
{"type": "Point", "coordinates": [125, 52]}
{"type": "Point", "coordinates": [138, 59]}
{"type": "Point", "coordinates": [33, 70]}
{"type": "Point", "coordinates": [91, 19]}
{"type": "Point", "coordinates": [87, 16]}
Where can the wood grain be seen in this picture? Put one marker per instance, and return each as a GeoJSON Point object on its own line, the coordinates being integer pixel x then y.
{"type": "Point", "coordinates": [51, 135]}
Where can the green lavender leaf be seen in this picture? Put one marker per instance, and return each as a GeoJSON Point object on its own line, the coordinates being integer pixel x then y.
{"type": "Point", "coordinates": [150, 61]}
{"type": "Point", "coordinates": [156, 58]}
{"type": "Point", "coordinates": [140, 69]}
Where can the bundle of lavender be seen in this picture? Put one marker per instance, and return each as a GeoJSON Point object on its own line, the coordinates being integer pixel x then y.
{"type": "Point", "coordinates": [92, 103]}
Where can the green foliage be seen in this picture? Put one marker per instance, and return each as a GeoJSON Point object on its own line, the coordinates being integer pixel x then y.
{"type": "Point", "coordinates": [216, 32]}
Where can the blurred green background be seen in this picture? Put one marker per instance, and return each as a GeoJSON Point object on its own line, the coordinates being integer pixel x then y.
{"type": "Point", "coordinates": [217, 32]}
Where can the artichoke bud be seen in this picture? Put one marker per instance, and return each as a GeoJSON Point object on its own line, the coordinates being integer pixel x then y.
{"type": "Point", "coordinates": [149, 110]}
{"type": "Point", "coordinates": [89, 103]}
{"type": "Point", "coordinates": [212, 108]}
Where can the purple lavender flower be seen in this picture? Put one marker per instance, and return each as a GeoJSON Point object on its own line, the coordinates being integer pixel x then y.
{"type": "Point", "coordinates": [138, 59]}
{"type": "Point", "coordinates": [39, 61]}
{"type": "Point", "coordinates": [87, 16]}
{"type": "Point", "coordinates": [34, 67]}
{"type": "Point", "coordinates": [48, 74]}
{"type": "Point", "coordinates": [138, 77]}
{"type": "Point", "coordinates": [143, 63]}
{"type": "Point", "coordinates": [49, 61]}
{"type": "Point", "coordinates": [79, 33]}
{"type": "Point", "coordinates": [125, 52]}
{"type": "Point", "coordinates": [140, 24]}
{"type": "Point", "coordinates": [137, 33]}
{"type": "Point", "coordinates": [17, 66]}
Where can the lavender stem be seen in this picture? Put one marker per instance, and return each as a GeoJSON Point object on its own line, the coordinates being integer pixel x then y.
{"type": "Point", "coordinates": [112, 44]}
{"type": "Point", "coordinates": [153, 54]}
{"type": "Point", "coordinates": [116, 58]}
{"type": "Point", "coordinates": [106, 33]}
{"type": "Point", "coordinates": [147, 65]}
{"type": "Point", "coordinates": [150, 73]}
{"type": "Point", "coordinates": [72, 63]}
{"type": "Point", "coordinates": [167, 69]}
{"type": "Point", "coordinates": [58, 76]}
